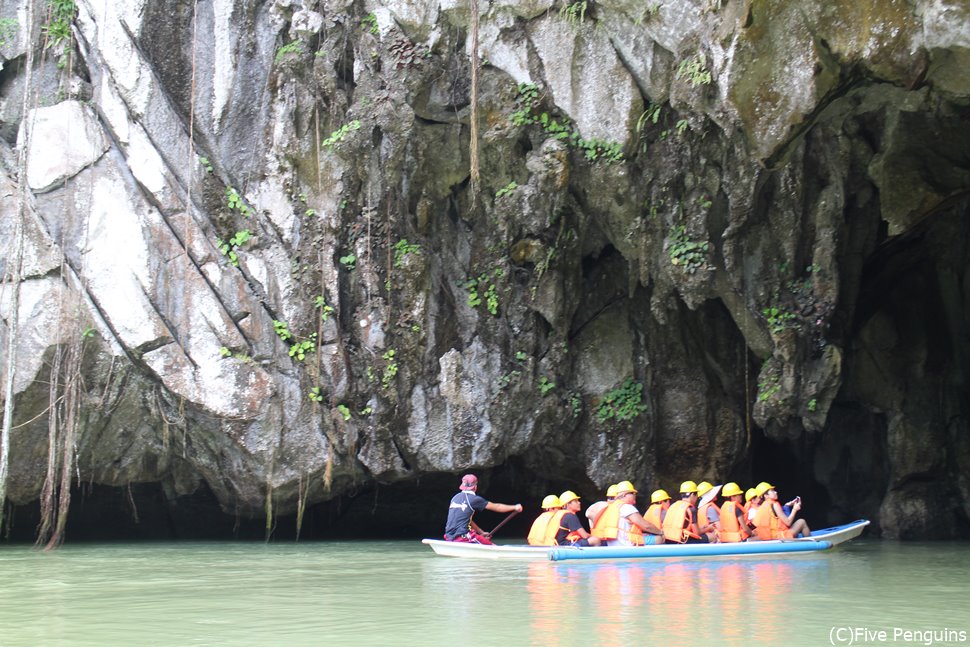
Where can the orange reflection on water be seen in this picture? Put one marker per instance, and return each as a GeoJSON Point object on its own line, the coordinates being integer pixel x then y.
{"type": "Point", "coordinates": [678, 603]}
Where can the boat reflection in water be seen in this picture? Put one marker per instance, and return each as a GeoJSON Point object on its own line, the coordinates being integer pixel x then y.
{"type": "Point", "coordinates": [669, 603]}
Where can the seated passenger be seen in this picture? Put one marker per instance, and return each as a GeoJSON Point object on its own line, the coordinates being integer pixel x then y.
{"type": "Point", "coordinates": [734, 527]}
{"type": "Point", "coordinates": [571, 531]}
{"type": "Point", "coordinates": [708, 514]}
{"type": "Point", "coordinates": [679, 525]}
{"type": "Point", "coordinates": [655, 514]}
{"type": "Point", "coordinates": [594, 511]}
{"type": "Point", "coordinates": [771, 522]}
{"type": "Point", "coordinates": [622, 525]}
{"type": "Point", "coordinates": [546, 525]}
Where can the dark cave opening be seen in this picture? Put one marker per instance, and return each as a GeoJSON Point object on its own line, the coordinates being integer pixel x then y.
{"type": "Point", "coordinates": [407, 510]}
{"type": "Point", "coordinates": [792, 472]}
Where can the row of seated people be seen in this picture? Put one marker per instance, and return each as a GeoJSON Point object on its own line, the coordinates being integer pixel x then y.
{"type": "Point", "coordinates": [694, 518]}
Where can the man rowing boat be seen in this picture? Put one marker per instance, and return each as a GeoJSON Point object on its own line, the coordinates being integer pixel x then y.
{"type": "Point", "coordinates": [460, 525]}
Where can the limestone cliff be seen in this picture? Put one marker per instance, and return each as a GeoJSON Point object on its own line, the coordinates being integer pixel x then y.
{"type": "Point", "coordinates": [711, 239]}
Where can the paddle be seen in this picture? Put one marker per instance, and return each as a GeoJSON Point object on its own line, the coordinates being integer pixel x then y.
{"type": "Point", "coordinates": [501, 523]}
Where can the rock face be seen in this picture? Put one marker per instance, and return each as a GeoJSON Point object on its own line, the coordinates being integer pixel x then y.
{"type": "Point", "coordinates": [712, 240]}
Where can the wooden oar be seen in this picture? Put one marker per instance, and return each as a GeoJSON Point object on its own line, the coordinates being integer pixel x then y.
{"type": "Point", "coordinates": [501, 523]}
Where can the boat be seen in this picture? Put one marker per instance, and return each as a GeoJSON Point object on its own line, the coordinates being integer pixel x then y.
{"type": "Point", "coordinates": [820, 540]}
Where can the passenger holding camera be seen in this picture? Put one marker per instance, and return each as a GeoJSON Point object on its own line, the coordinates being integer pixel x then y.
{"type": "Point", "coordinates": [771, 522]}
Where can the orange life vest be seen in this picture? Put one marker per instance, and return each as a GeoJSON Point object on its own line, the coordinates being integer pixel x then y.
{"type": "Point", "coordinates": [731, 530]}
{"type": "Point", "coordinates": [545, 527]}
{"type": "Point", "coordinates": [654, 513]}
{"type": "Point", "coordinates": [608, 525]}
{"type": "Point", "coordinates": [677, 523]}
{"type": "Point", "coordinates": [702, 513]}
{"type": "Point", "coordinates": [767, 525]}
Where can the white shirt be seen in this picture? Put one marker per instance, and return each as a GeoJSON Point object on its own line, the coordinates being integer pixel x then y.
{"type": "Point", "coordinates": [623, 526]}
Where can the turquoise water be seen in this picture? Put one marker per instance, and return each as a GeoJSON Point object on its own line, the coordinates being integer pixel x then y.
{"type": "Point", "coordinates": [401, 594]}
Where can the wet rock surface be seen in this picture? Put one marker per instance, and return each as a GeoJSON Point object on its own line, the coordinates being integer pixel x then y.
{"type": "Point", "coordinates": [711, 241]}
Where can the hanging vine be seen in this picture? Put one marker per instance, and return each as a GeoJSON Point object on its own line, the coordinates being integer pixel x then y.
{"type": "Point", "coordinates": [16, 269]}
{"type": "Point", "coordinates": [473, 118]}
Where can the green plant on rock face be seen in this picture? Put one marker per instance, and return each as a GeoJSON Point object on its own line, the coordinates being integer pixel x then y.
{"type": "Point", "coordinates": [315, 394]}
{"type": "Point", "coordinates": [235, 201]}
{"type": "Point", "coordinates": [295, 47]}
{"type": "Point", "coordinates": [225, 352]}
{"type": "Point", "coordinates": [483, 288]}
{"type": "Point", "coordinates": [508, 378]}
{"type": "Point", "coordinates": [574, 12]}
{"type": "Point", "coordinates": [694, 70]}
{"type": "Point", "coordinates": [507, 189]}
{"type": "Point", "coordinates": [206, 164]}
{"type": "Point", "coordinates": [60, 16]}
{"type": "Point", "coordinates": [369, 23]}
{"type": "Point", "coordinates": [228, 249]}
{"type": "Point", "coordinates": [349, 261]}
{"type": "Point", "coordinates": [561, 129]}
{"type": "Point", "coordinates": [344, 411]}
{"type": "Point", "coordinates": [545, 385]}
{"type": "Point", "coordinates": [622, 403]}
{"type": "Point", "coordinates": [528, 98]}
{"type": "Point", "coordinates": [301, 349]}
{"type": "Point", "coordinates": [812, 405]}
{"type": "Point", "coordinates": [779, 320]}
{"type": "Point", "coordinates": [681, 126]}
{"type": "Point", "coordinates": [341, 133]}
{"type": "Point", "coordinates": [282, 330]}
{"type": "Point", "coordinates": [686, 253]}
{"type": "Point", "coordinates": [390, 368]}
{"type": "Point", "coordinates": [649, 116]}
{"type": "Point", "coordinates": [575, 403]}
{"type": "Point", "coordinates": [768, 387]}
{"type": "Point", "coordinates": [321, 305]}
{"type": "Point", "coordinates": [521, 356]}
{"type": "Point", "coordinates": [87, 333]}
{"type": "Point", "coordinates": [402, 249]}
{"type": "Point", "coordinates": [366, 411]}
{"type": "Point", "coordinates": [704, 202]}
{"type": "Point", "coordinates": [8, 30]}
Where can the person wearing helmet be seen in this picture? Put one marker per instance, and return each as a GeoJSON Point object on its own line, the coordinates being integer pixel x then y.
{"type": "Point", "coordinates": [571, 531]}
{"type": "Point", "coordinates": [771, 522]}
{"type": "Point", "coordinates": [546, 526]}
{"type": "Point", "coordinates": [659, 502]}
{"type": "Point", "coordinates": [679, 525]}
{"type": "Point", "coordinates": [757, 501]}
{"type": "Point", "coordinates": [594, 511]}
{"type": "Point", "coordinates": [621, 523]}
{"type": "Point", "coordinates": [749, 494]}
{"type": "Point", "coordinates": [734, 527]}
{"type": "Point", "coordinates": [708, 514]}
{"type": "Point", "coordinates": [460, 526]}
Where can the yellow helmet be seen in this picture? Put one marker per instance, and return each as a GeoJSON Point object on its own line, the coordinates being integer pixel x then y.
{"type": "Point", "coordinates": [731, 489]}
{"type": "Point", "coordinates": [625, 486]}
{"type": "Point", "coordinates": [567, 496]}
{"type": "Point", "coordinates": [658, 496]}
{"type": "Point", "coordinates": [688, 487]}
{"type": "Point", "coordinates": [550, 502]}
{"type": "Point", "coordinates": [763, 487]}
{"type": "Point", "coordinates": [611, 491]}
{"type": "Point", "coordinates": [750, 494]}
{"type": "Point", "coordinates": [703, 488]}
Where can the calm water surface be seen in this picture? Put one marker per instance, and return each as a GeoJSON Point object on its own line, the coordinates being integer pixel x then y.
{"type": "Point", "coordinates": [401, 594]}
